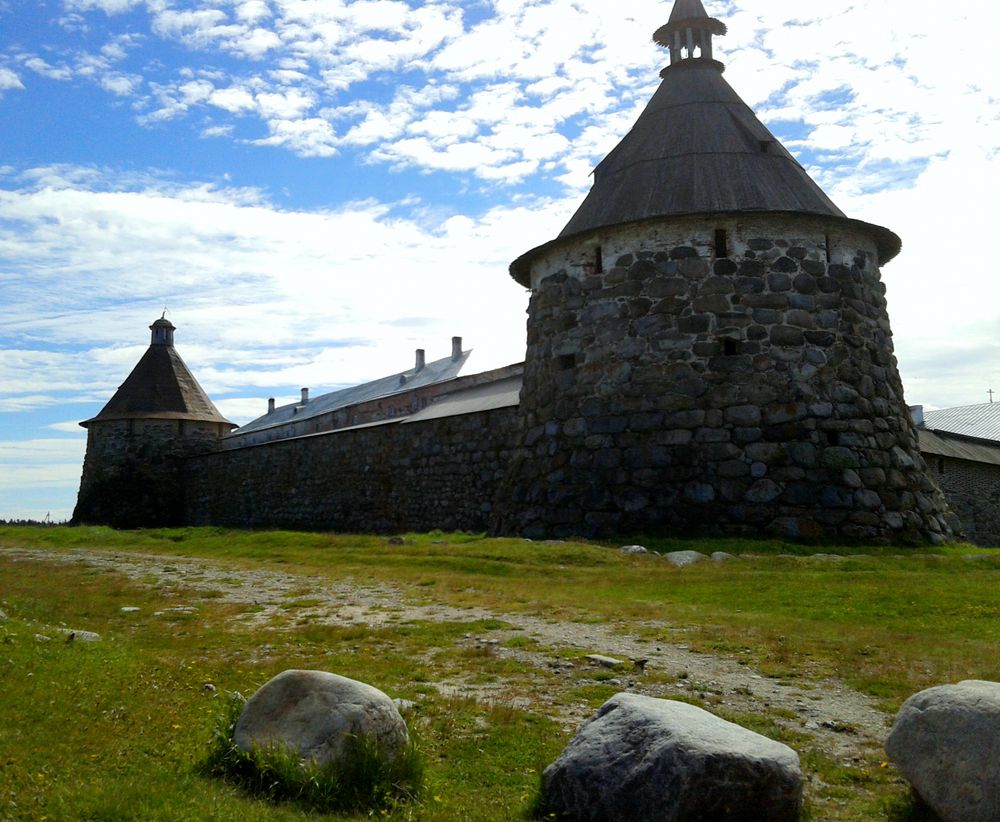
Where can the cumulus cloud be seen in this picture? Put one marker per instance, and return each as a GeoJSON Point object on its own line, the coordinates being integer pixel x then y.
{"type": "Point", "coordinates": [9, 80]}
{"type": "Point", "coordinates": [218, 258]}
{"type": "Point", "coordinates": [107, 6]}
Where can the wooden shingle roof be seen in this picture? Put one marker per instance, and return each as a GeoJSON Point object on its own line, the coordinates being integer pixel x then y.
{"type": "Point", "coordinates": [160, 387]}
{"type": "Point", "coordinates": [698, 149]}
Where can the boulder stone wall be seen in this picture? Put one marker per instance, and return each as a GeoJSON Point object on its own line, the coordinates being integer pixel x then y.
{"type": "Point", "coordinates": [723, 375]}
{"type": "Point", "coordinates": [130, 471]}
{"type": "Point", "coordinates": [440, 473]}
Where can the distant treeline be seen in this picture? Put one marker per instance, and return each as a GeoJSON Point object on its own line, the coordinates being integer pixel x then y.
{"type": "Point", "coordinates": [46, 523]}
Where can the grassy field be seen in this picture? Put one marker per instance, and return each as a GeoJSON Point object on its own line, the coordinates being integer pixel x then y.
{"type": "Point", "coordinates": [115, 729]}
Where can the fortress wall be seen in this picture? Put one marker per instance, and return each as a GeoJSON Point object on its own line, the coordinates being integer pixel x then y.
{"type": "Point", "coordinates": [673, 386]}
{"type": "Point", "coordinates": [440, 473]}
{"type": "Point", "coordinates": [973, 492]}
{"type": "Point", "coordinates": [130, 470]}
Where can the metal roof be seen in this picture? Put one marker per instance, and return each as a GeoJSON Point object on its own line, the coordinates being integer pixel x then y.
{"type": "Point", "coordinates": [978, 421]}
{"type": "Point", "coordinates": [932, 442]}
{"type": "Point", "coordinates": [160, 387]}
{"type": "Point", "coordinates": [432, 373]}
{"type": "Point", "coordinates": [697, 148]}
{"type": "Point", "coordinates": [500, 394]}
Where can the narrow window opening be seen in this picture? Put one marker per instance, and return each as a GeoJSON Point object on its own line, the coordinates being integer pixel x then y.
{"type": "Point", "coordinates": [567, 361]}
{"type": "Point", "coordinates": [721, 246]}
{"type": "Point", "coordinates": [730, 347]}
{"type": "Point", "coordinates": [940, 466]}
{"type": "Point", "coordinates": [826, 243]}
{"type": "Point", "coordinates": [598, 261]}
{"type": "Point", "coordinates": [765, 146]}
{"type": "Point", "coordinates": [832, 438]}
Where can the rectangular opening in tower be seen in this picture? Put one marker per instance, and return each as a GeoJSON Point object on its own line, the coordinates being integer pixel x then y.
{"type": "Point", "coordinates": [721, 246]}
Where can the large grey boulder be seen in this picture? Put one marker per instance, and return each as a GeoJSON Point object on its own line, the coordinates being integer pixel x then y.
{"type": "Point", "coordinates": [641, 758]}
{"type": "Point", "coordinates": [946, 742]}
{"type": "Point", "coordinates": [319, 715]}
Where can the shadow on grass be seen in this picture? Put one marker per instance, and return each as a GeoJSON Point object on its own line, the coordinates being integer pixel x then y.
{"type": "Point", "coordinates": [364, 780]}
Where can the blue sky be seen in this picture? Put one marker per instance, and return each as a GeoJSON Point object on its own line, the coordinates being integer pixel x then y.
{"type": "Point", "coordinates": [314, 188]}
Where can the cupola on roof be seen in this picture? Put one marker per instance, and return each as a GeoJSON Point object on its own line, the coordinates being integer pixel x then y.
{"type": "Point", "coordinates": [160, 386]}
{"type": "Point", "coordinates": [696, 149]}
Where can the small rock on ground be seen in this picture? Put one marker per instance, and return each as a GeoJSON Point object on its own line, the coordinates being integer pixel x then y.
{"type": "Point", "coordinates": [606, 661]}
{"type": "Point", "coordinates": [680, 559]}
{"type": "Point", "coordinates": [81, 636]}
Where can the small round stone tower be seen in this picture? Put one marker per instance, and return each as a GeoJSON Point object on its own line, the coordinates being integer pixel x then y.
{"type": "Point", "coordinates": [131, 474]}
{"type": "Point", "coordinates": [708, 344]}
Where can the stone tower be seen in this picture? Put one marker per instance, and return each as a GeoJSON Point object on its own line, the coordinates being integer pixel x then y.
{"type": "Point", "coordinates": [708, 344]}
{"type": "Point", "coordinates": [159, 414]}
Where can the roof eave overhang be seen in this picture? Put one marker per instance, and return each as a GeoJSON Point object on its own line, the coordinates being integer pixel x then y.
{"type": "Point", "coordinates": [157, 415]}
{"type": "Point", "coordinates": [887, 242]}
{"type": "Point", "coordinates": [664, 34]}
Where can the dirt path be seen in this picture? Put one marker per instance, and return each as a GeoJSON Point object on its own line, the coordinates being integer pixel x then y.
{"type": "Point", "coordinates": [843, 722]}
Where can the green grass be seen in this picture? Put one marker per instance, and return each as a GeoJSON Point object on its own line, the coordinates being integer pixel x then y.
{"type": "Point", "coordinates": [888, 622]}
{"type": "Point", "coordinates": [116, 729]}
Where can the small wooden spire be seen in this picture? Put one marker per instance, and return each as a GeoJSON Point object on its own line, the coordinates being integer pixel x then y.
{"type": "Point", "coordinates": [689, 31]}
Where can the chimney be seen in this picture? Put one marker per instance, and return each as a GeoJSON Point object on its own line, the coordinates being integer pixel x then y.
{"type": "Point", "coordinates": [420, 360]}
{"type": "Point", "coordinates": [270, 405]}
{"type": "Point", "coordinates": [456, 347]}
{"type": "Point", "coordinates": [305, 396]}
{"type": "Point", "coordinates": [917, 412]}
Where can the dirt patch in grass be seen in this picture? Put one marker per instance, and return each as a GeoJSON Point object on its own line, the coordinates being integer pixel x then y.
{"type": "Point", "coordinates": [842, 721]}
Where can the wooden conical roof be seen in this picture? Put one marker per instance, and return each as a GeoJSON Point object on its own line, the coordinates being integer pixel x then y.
{"type": "Point", "coordinates": [160, 387]}
{"type": "Point", "coordinates": [698, 149]}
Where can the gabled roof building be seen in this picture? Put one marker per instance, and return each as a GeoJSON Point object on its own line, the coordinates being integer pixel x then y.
{"type": "Point", "coordinates": [962, 449]}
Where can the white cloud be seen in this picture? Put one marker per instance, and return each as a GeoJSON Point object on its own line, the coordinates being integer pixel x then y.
{"type": "Point", "coordinates": [107, 6]}
{"type": "Point", "coordinates": [310, 137]}
{"type": "Point", "coordinates": [40, 66]}
{"type": "Point", "coordinates": [221, 260]}
{"type": "Point", "coordinates": [250, 11]}
{"type": "Point", "coordinates": [257, 43]}
{"type": "Point", "coordinates": [9, 80]}
{"type": "Point", "coordinates": [122, 85]}
{"type": "Point", "coordinates": [217, 131]}
{"type": "Point", "coordinates": [67, 427]}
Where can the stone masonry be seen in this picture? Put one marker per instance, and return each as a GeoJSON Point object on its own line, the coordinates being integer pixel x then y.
{"type": "Point", "coordinates": [440, 473]}
{"type": "Point", "coordinates": [973, 492]}
{"type": "Point", "coordinates": [679, 390]}
{"type": "Point", "coordinates": [131, 475]}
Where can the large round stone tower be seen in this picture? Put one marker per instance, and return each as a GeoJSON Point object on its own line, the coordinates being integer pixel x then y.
{"type": "Point", "coordinates": [708, 344]}
{"type": "Point", "coordinates": [131, 474]}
